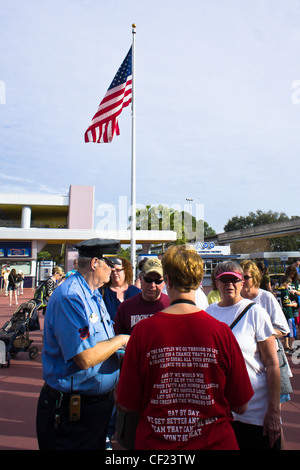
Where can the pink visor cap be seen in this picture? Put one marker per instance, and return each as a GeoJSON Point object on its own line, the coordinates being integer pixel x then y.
{"type": "Point", "coordinates": [238, 275]}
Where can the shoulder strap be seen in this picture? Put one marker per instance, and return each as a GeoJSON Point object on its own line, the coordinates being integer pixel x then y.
{"type": "Point", "coordinates": [241, 315]}
{"type": "Point", "coordinates": [42, 284]}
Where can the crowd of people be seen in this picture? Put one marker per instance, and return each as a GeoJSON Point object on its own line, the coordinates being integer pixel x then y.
{"type": "Point", "coordinates": [159, 365]}
{"type": "Point", "coordinates": [13, 283]}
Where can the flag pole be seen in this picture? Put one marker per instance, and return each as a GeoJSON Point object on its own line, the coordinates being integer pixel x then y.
{"type": "Point", "coordinates": [133, 164]}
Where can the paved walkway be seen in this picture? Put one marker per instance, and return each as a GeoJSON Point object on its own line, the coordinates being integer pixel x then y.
{"type": "Point", "coordinates": [20, 385]}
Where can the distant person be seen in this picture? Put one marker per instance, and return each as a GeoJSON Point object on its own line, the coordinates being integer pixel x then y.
{"type": "Point", "coordinates": [259, 428]}
{"type": "Point", "coordinates": [52, 282]}
{"type": "Point", "coordinates": [45, 289]}
{"type": "Point", "coordinates": [214, 294]}
{"type": "Point", "coordinates": [294, 289]}
{"type": "Point", "coordinates": [73, 271]}
{"type": "Point", "coordinates": [296, 263]}
{"type": "Point", "coordinates": [12, 286]}
{"type": "Point", "coordinates": [140, 265]}
{"type": "Point", "coordinates": [20, 282]}
{"type": "Point", "coordinates": [288, 307]}
{"type": "Point", "coordinates": [291, 271]}
{"type": "Point", "coordinates": [265, 281]}
{"type": "Point", "coordinates": [5, 279]}
{"type": "Point", "coordinates": [183, 371]}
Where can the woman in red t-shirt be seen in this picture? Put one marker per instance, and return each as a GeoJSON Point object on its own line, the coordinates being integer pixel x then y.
{"type": "Point", "coordinates": [183, 371]}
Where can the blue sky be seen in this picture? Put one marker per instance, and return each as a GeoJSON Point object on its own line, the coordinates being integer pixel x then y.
{"type": "Point", "coordinates": [217, 107]}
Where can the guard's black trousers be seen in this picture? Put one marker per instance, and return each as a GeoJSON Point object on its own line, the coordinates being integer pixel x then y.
{"type": "Point", "coordinates": [89, 433]}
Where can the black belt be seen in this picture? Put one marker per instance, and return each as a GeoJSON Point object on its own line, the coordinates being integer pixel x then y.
{"type": "Point", "coordinates": [85, 399]}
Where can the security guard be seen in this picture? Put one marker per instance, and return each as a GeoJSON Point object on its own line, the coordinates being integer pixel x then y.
{"type": "Point", "coordinates": [80, 359]}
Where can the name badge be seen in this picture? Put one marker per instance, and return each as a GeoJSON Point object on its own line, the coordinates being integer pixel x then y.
{"type": "Point", "coordinates": [94, 318]}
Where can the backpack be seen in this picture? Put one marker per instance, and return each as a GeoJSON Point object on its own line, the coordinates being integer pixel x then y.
{"type": "Point", "coordinates": [40, 295]}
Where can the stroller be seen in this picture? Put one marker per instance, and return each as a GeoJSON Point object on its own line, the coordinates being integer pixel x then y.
{"type": "Point", "coordinates": [14, 334]}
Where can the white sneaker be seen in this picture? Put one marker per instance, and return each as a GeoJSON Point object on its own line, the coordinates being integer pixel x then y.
{"type": "Point", "coordinates": [108, 445]}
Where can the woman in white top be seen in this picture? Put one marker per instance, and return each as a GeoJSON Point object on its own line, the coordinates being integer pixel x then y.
{"type": "Point", "coordinates": [266, 299]}
{"type": "Point", "coordinates": [251, 290]}
{"type": "Point", "coordinates": [260, 427]}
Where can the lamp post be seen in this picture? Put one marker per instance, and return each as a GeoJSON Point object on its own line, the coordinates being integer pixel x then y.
{"type": "Point", "coordinates": [190, 200]}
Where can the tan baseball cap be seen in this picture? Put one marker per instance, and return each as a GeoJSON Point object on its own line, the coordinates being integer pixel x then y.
{"type": "Point", "coordinates": [152, 265]}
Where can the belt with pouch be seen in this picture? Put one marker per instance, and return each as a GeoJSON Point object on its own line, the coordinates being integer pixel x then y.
{"type": "Point", "coordinates": [85, 399]}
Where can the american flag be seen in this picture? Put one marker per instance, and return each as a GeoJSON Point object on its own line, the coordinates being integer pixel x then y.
{"type": "Point", "coordinates": [104, 124]}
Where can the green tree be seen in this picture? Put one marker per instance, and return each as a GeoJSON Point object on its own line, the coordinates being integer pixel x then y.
{"type": "Point", "coordinates": [44, 255]}
{"type": "Point", "coordinates": [254, 219]}
{"type": "Point", "coordinates": [162, 217]}
{"type": "Point", "coordinates": [124, 253]}
{"type": "Point", "coordinates": [288, 243]}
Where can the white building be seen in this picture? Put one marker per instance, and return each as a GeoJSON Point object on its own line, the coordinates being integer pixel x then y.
{"type": "Point", "coordinates": [29, 222]}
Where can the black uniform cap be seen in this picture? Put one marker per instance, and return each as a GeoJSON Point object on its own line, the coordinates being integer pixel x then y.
{"type": "Point", "coordinates": [97, 247]}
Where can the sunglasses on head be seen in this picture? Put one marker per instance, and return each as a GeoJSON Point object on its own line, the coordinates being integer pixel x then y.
{"type": "Point", "coordinates": [149, 280]}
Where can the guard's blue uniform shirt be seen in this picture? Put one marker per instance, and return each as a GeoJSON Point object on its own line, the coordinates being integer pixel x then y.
{"type": "Point", "coordinates": [76, 319]}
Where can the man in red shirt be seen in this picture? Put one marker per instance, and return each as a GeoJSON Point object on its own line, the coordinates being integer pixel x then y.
{"type": "Point", "coordinates": [147, 302]}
